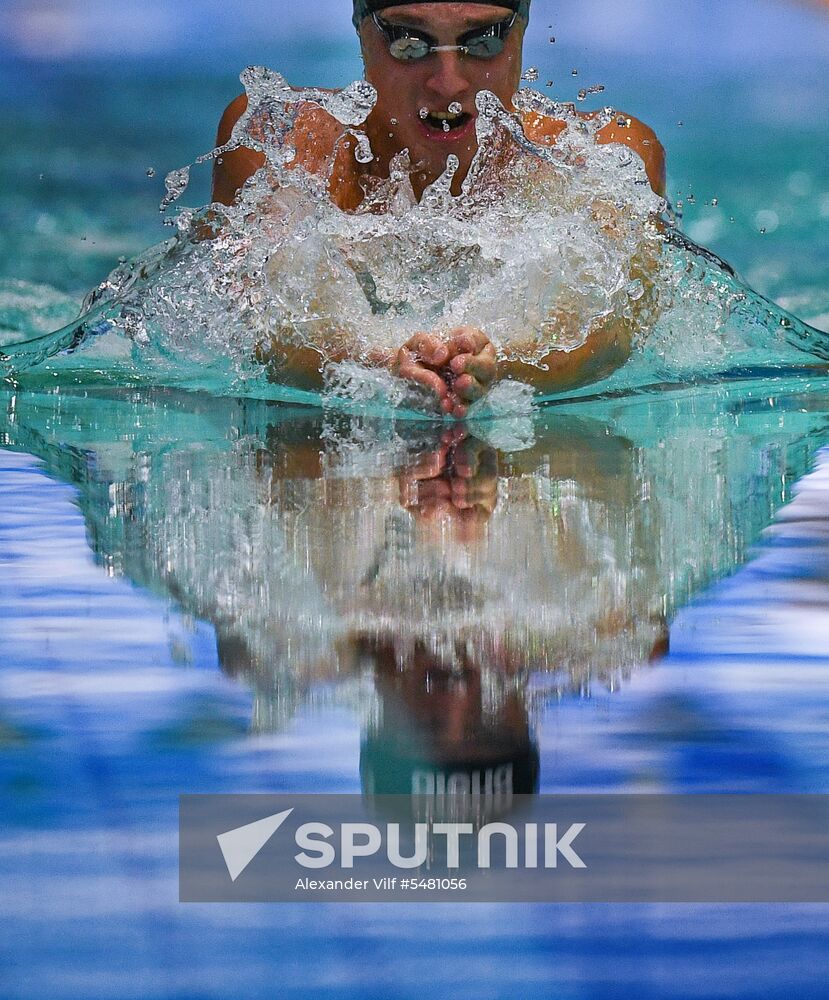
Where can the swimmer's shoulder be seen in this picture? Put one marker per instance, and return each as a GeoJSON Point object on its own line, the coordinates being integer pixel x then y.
{"type": "Point", "coordinates": [642, 139]}
{"type": "Point", "coordinates": [314, 134]}
{"type": "Point", "coordinates": [636, 135]}
{"type": "Point", "coordinates": [231, 170]}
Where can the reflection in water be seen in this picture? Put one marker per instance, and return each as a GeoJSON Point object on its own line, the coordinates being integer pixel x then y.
{"type": "Point", "coordinates": [455, 734]}
{"type": "Point", "coordinates": [446, 588]}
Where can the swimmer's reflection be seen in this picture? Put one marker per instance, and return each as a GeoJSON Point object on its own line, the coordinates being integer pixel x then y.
{"type": "Point", "coordinates": [504, 578]}
{"type": "Point", "coordinates": [457, 483]}
{"type": "Point", "coordinates": [453, 733]}
{"type": "Point", "coordinates": [451, 724]}
{"type": "Point", "coordinates": [446, 625]}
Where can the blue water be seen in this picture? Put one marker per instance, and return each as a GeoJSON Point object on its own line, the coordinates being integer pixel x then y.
{"type": "Point", "coordinates": [114, 700]}
{"type": "Point", "coordinates": [125, 526]}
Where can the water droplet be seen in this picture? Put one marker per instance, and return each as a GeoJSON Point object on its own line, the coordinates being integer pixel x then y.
{"type": "Point", "coordinates": [393, 121]}
{"type": "Point", "coordinates": [424, 112]}
{"type": "Point", "coordinates": [362, 151]}
{"type": "Point", "coordinates": [574, 72]}
{"type": "Point", "coordinates": [455, 108]}
{"type": "Point", "coordinates": [763, 231]}
{"type": "Point", "coordinates": [680, 124]}
{"type": "Point", "coordinates": [176, 184]}
{"type": "Point", "coordinates": [151, 171]}
{"type": "Point", "coordinates": [582, 95]}
{"type": "Point", "coordinates": [635, 289]}
{"type": "Point", "coordinates": [549, 83]}
{"type": "Point", "coordinates": [715, 202]}
{"type": "Point", "coordinates": [597, 88]}
{"type": "Point", "coordinates": [552, 39]}
{"type": "Point", "coordinates": [530, 74]}
{"type": "Point", "coordinates": [446, 126]}
{"type": "Point", "coordinates": [622, 122]}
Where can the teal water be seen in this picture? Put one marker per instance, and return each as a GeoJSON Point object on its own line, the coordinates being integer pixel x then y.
{"type": "Point", "coordinates": [176, 568]}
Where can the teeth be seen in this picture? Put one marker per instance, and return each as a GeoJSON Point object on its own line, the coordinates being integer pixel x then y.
{"type": "Point", "coordinates": [446, 116]}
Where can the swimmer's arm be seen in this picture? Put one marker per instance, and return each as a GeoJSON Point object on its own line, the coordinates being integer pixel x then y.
{"type": "Point", "coordinates": [315, 136]}
{"type": "Point", "coordinates": [643, 141]}
{"type": "Point", "coordinates": [608, 345]}
{"type": "Point", "coordinates": [606, 348]}
{"type": "Point", "coordinates": [231, 170]}
{"type": "Point", "coordinates": [296, 365]}
{"type": "Point", "coordinates": [632, 133]}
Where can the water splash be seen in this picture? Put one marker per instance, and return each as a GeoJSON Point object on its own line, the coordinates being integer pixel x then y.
{"type": "Point", "coordinates": [547, 241]}
{"type": "Point", "coordinates": [176, 184]}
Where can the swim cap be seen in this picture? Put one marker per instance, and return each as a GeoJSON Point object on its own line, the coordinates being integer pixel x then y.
{"type": "Point", "coordinates": [362, 8]}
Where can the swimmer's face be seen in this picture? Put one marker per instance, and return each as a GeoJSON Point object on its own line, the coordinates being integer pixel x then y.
{"type": "Point", "coordinates": [435, 82]}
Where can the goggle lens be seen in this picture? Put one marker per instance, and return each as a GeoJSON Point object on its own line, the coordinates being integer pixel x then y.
{"type": "Point", "coordinates": [409, 47]}
{"type": "Point", "coordinates": [406, 46]}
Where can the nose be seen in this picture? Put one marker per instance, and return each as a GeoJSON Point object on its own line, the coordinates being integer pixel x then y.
{"type": "Point", "coordinates": [448, 80]}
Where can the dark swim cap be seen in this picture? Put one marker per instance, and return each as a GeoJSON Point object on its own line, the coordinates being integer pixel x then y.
{"type": "Point", "coordinates": [362, 8]}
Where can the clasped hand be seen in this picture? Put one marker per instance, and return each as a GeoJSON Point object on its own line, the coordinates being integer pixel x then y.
{"type": "Point", "coordinates": [458, 367]}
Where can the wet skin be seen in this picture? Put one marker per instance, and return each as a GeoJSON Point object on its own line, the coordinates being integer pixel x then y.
{"type": "Point", "coordinates": [457, 365]}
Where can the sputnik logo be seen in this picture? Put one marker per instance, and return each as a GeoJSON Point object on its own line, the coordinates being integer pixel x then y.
{"type": "Point", "coordinates": [240, 846]}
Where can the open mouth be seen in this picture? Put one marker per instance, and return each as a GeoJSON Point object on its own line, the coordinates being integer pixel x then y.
{"type": "Point", "coordinates": [446, 123]}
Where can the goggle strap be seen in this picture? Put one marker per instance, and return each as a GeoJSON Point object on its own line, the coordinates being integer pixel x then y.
{"type": "Point", "coordinates": [362, 8]}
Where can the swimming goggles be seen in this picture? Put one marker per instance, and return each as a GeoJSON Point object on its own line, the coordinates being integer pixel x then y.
{"type": "Point", "coordinates": [364, 8]}
{"type": "Point", "coordinates": [408, 44]}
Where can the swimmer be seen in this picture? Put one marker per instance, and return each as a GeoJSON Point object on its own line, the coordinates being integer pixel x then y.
{"type": "Point", "coordinates": [438, 55]}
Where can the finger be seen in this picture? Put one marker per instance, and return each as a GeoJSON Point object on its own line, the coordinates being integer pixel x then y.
{"type": "Point", "coordinates": [453, 406]}
{"type": "Point", "coordinates": [464, 469]}
{"type": "Point", "coordinates": [453, 436]}
{"type": "Point", "coordinates": [472, 494]}
{"type": "Point", "coordinates": [459, 362]}
{"type": "Point", "coordinates": [468, 389]}
{"type": "Point", "coordinates": [483, 365]}
{"type": "Point", "coordinates": [468, 340]}
{"type": "Point", "coordinates": [431, 466]}
{"type": "Point", "coordinates": [488, 462]}
{"type": "Point", "coordinates": [410, 368]}
{"type": "Point", "coordinates": [433, 489]}
{"type": "Point", "coordinates": [430, 349]}
{"type": "Point", "coordinates": [485, 497]}
{"type": "Point", "coordinates": [465, 461]}
{"type": "Point", "coordinates": [435, 510]}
